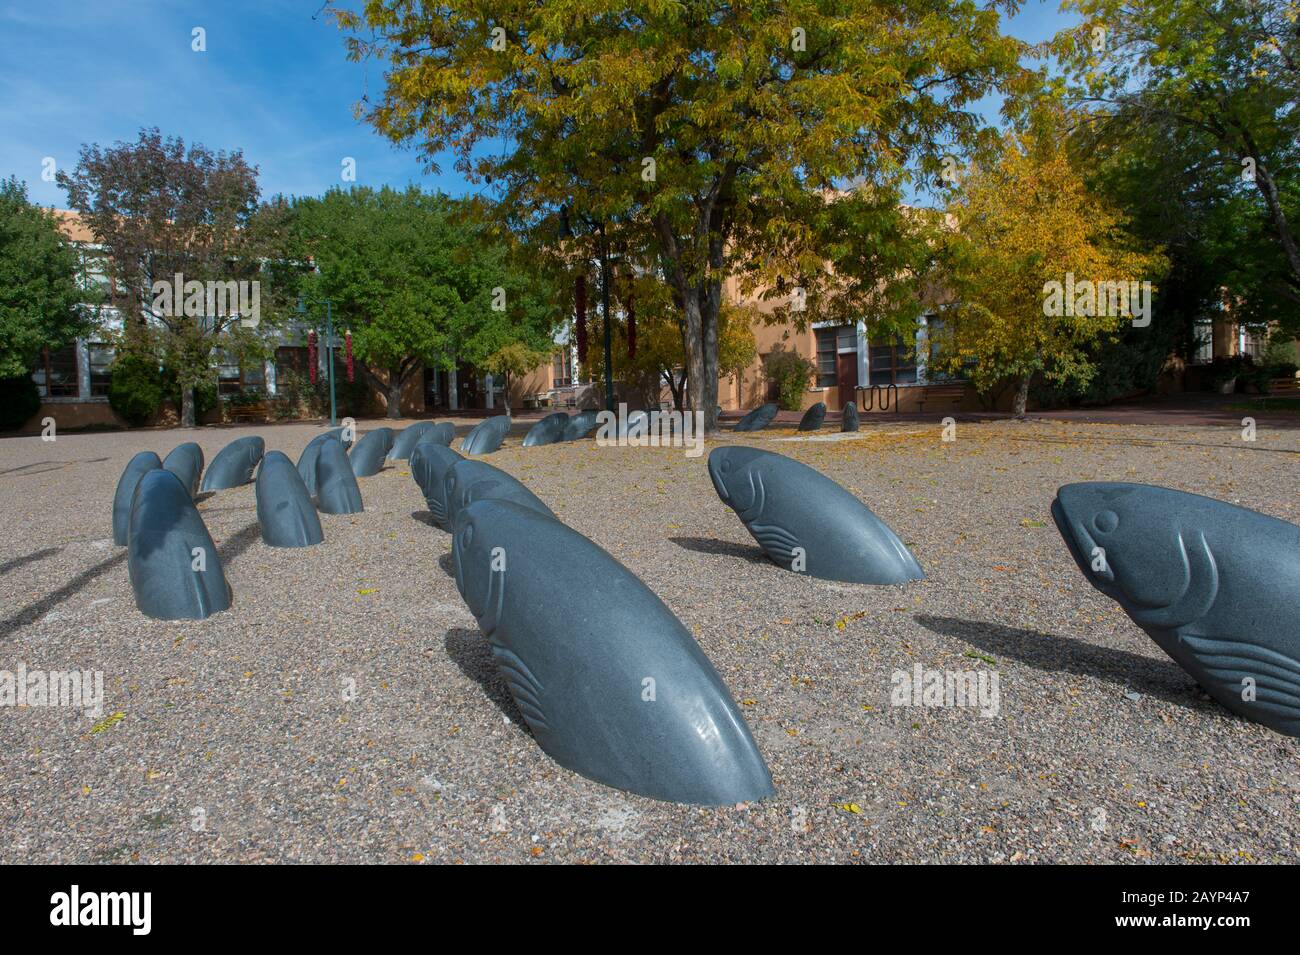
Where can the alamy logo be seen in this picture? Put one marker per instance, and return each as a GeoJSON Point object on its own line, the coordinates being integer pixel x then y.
{"type": "Point", "coordinates": [947, 688]}
{"type": "Point", "coordinates": [103, 908]}
{"type": "Point", "coordinates": [654, 429]}
{"type": "Point", "coordinates": [195, 299]}
{"type": "Point", "coordinates": [80, 689]}
{"type": "Point", "coordinates": [1126, 297]}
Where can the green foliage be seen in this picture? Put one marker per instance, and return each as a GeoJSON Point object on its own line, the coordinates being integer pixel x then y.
{"type": "Point", "coordinates": [792, 374]}
{"type": "Point", "coordinates": [19, 400]}
{"type": "Point", "coordinates": [160, 208]}
{"type": "Point", "coordinates": [1020, 223]}
{"type": "Point", "coordinates": [137, 387]}
{"type": "Point", "coordinates": [1217, 81]}
{"type": "Point", "coordinates": [38, 289]}
{"type": "Point", "coordinates": [419, 279]}
{"type": "Point", "coordinates": [700, 133]}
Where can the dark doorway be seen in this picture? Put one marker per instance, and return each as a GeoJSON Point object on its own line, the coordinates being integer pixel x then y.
{"type": "Point", "coordinates": [846, 372]}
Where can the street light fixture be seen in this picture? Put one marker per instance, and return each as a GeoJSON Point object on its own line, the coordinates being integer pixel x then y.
{"type": "Point", "coordinates": [303, 303]}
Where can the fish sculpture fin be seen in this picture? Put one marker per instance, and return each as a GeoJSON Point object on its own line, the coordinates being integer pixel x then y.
{"type": "Point", "coordinates": [777, 542]}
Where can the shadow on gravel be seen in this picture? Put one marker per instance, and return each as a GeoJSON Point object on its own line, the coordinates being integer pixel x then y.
{"type": "Point", "coordinates": [425, 517]}
{"type": "Point", "coordinates": [470, 651]}
{"type": "Point", "coordinates": [720, 548]}
{"type": "Point", "coordinates": [235, 545]}
{"type": "Point", "coordinates": [448, 565]}
{"type": "Point", "coordinates": [28, 559]}
{"type": "Point", "coordinates": [46, 466]}
{"type": "Point", "coordinates": [33, 612]}
{"type": "Point", "coordinates": [1056, 654]}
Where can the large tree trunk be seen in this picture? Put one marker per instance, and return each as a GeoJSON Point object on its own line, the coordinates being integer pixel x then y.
{"type": "Point", "coordinates": [395, 382]}
{"type": "Point", "coordinates": [695, 374]}
{"type": "Point", "coordinates": [187, 407]}
{"type": "Point", "coordinates": [709, 320]}
{"type": "Point", "coordinates": [1022, 396]}
{"type": "Point", "coordinates": [1273, 199]}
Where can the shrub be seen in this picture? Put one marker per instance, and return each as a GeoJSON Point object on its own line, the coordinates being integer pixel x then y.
{"type": "Point", "coordinates": [792, 374]}
{"type": "Point", "coordinates": [19, 400]}
{"type": "Point", "coordinates": [135, 390]}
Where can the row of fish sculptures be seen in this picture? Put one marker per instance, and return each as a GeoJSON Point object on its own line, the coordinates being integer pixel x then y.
{"type": "Point", "coordinates": [615, 688]}
{"type": "Point", "coordinates": [175, 569]}
{"type": "Point", "coordinates": [812, 419]}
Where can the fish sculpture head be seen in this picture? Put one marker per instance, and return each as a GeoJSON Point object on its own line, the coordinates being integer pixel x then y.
{"type": "Point", "coordinates": [737, 477]}
{"type": "Point", "coordinates": [480, 569]}
{"type": "Point", "coordinates": [1139, 546]}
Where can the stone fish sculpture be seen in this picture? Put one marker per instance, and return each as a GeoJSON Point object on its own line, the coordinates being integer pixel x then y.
{"type": "Point", "coordinates": [812, 418]}
{"type": "Point", "coordinates": [139, 465]}
{"type": "Point", "coordinates": [806, 522]}
{"type": "Point", "coordinates": [285, 512]}
{"type": "Point", "coordinates": [611, 684]}
{"type": "Point", "coordinates": [444, 432]}
{"type": "Point", "coordinates": [186, 462]}
{"type": "Point", "coordinates": [307, 460]}
{"type": "Point", "coordinates": [487, 435]}
{"type": "Point", "coordinates": [547, 431]}
{"type": "Point", "coordinates": [1216, 586]}
{"type": "Point", "coordinates": [406, 440]}
{"type": "Point", "coordinates": [369, 452]}
{"type": "Point", "coordinates": [175, 569]}
{"type": "Point", "coordinates": [430, 461]}
{"type": "Point", "coordinates": [468, 481]}
{"type": "Point", "coordinates": [759, 418]}
{"type": "Point", "coordinates": [234, 464]}
{"type": "Point", "coordinates": [336, 486]}
{"type": "Point", "coordinates": [849, 417]}
{"type": "Point", "coordinates": [580, 425]}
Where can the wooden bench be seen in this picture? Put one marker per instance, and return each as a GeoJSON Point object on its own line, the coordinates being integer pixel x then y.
{"type": "Point", "coordinates": [1284, 386]}
{"type": "Point", "coordinates": [254, 411]}
{"type": "Point", "coordinates": [955, 393]}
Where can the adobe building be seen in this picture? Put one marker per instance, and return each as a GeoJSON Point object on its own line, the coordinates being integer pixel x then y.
{"type": "Point", "coordinates": [851, 365]}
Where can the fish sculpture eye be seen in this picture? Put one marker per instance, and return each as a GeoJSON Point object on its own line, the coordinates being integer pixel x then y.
{"type": "Point", "coordinates": [1105, 522]}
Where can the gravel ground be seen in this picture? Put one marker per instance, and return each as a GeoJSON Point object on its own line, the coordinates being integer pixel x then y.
{"type": "Point", "coordinates": [231, 739]}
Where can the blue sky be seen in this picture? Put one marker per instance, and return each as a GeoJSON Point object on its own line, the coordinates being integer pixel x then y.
{"type": "Point", "coordinates": [274, 81]}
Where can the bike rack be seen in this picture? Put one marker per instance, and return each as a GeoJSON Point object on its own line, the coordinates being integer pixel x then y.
{"type": "Point", "coordinates": [880, 398]}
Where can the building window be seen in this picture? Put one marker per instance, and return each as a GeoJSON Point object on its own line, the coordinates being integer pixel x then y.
{"type": "Point", "coordinates": [234, 377]}
{"type": "Point", "coordinates": [892, 364]}
{"type": "Point", "coordinates": [292, 358]}
{"type": "Point", "coordinates": [562, 369]}
{"type": "Point", "coordinates": [56, 373]}
{"type": "Point", "coordinates": [1254, 341]}
{"type": "Point", "coordinates": [101, 361]}
{"type": "Point", "coordinates": [1202, 341]}
{"type": "Point", "coordinates": [831, 342]}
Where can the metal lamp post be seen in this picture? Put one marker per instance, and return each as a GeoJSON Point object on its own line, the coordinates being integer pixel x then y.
{"type": "Point", "coordinates": [604, 295]}
{"type": "Point", "coordinates": [329, 346]}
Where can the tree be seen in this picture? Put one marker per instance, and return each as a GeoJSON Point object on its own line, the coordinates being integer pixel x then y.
{"type": "Point", "coordinates": [38, 289]}
{"type": "Point", "coordinates": [659, 358]}
{"type": "Point", "coordinates": [420, 279]}
{"type": "Point", "coordinates": [516, 358]}
{"type": "Point", "coordinates": [160, 209]}
{"type": "Point", "coordinates": [699, 132]}
{"type": "Point", "coordinates": [1218, 238]}
{"type": "Point", "coordinates": [1026, 231]}
{"type": "Point", "coordinates": [1225, 71]}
